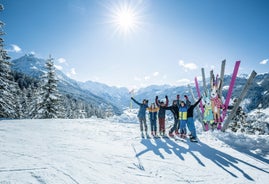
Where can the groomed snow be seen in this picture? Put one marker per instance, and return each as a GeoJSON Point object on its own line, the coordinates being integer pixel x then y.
{"type": "Point", "coordinates": [111, 151]}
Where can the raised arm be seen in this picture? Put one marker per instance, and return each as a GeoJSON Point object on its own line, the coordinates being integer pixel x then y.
{"type": "Point", "coordinates": [196, 103]}
{"type": "Point", "coordinates": [157, 102]}
{"type": "Point", "coordinates": [136, 101]}
{"type": "Point", "coordinates": [178, 102]}
{"type": "Point", "coordinates": [168, 107]}
{"type": "Point", "coordinates": [167, 101]}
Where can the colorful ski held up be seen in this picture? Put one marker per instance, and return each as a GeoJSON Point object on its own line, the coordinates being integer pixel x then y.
{"type": "Point", "coordinates": [230, 90]}
{"type": "Point", "coordinates": [241, 97]}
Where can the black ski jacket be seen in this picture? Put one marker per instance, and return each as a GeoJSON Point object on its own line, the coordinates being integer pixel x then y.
{"type": "Point", "coordinates": [190, 109]}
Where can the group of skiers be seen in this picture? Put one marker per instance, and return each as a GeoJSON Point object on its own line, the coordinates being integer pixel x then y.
{"type": "Point", "coordinates": [181, 110]}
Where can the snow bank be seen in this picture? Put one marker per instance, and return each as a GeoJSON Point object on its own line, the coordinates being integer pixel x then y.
{"type": "Point", "coordinates": [128, 116]}
{"type": "Point", "coordinates": [258, 144]}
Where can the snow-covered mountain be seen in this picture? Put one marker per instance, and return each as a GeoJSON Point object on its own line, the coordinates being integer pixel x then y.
{"type": "Point", "coordinates": [120, 98]}
{"type": "Point", "coordinates": [35, 67]}
{"type": "Point", "coordinates": [257, 94]}
{"type": "Point", "coordinates": [29, 65]}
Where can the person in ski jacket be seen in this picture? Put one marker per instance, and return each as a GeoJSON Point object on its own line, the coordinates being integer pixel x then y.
{"type": "Point", "coordinates": [142, 115]}
{"type": "Point", "coordinates": [161, 114]}
{"type": "Point", "coordinates": [190, 121]}
{"type": "Point", "coordinates": [153, 110]}
{"type": "Point", "coordinates": [175, 111]}
{"type": "Point", "coordinates": [183, 119]}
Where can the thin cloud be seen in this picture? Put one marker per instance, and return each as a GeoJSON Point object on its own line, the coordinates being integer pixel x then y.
{"type": "Point", "coordinates": [155, 74]}
{"type": "Point", "coordinates": [137, 79]}
{"type": "Point", "coordinates": [187, 66]}
{"type": "Point", "coordinates": [147, 77]}
{"type": "Point", "coordinates": [15, 48]}
{"type": "Point", "coordinates": [264, 62]}
{"type": "Point", "coordinates": [62, 60]}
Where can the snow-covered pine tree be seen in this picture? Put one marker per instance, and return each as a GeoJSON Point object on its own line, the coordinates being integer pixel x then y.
{"type": "Point", "coordinates": [34, 101]}
{"type": "Point", "coordinates": [24, 101]}
{"type": "Point", "coordinates": [8, 87]}
{"type": "Point", "coordinates": [50, 105]}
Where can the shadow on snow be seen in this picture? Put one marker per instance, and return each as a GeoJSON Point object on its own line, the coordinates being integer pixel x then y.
{"type": "Point", "coordinates": [218, 157]}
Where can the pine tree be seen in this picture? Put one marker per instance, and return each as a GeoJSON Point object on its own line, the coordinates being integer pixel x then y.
{"type": "Point", "coordinates": [34, 101]}
{"type": "Point", "coordinates": [50, 105]}
{"type": "Point", "coordinates": [8, 87]}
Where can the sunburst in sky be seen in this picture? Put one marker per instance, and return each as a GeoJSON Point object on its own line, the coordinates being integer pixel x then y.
{"type": "Point", "coordinates": [126, 17]}
{"type": "Point", "coordinates": [145, 41]}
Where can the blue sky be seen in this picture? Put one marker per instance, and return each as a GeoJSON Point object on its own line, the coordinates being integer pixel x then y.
{"type": "Point", "coordinates": [167, 42]}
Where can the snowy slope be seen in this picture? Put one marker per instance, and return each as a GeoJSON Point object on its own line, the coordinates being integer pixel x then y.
{"type": "Point", "coordinates": [110, 151]}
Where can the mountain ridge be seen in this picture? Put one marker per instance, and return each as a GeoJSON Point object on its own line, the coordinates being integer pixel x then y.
{"type": "Point", "coordinates": [119, 98]}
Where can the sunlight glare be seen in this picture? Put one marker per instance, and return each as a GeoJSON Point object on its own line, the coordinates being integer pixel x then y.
{"type": "Point", "coordinates": [126, 17]}
{"type": "Point", "coordinates": [125, 20]}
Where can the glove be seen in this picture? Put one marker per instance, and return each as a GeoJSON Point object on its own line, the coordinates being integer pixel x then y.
{"type": "Point", "coordinates": [166, 96]}
{"type": "Point", "coordinates": [186, 97]}
{"type": "Point", "coordinates": [132, 98]}
{"type": "Point", "coordinates": [156, 97]}
{"type": "Point", "coordinates": [178, 97]}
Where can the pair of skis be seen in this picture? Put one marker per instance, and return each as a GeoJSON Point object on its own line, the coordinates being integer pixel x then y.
{"type": "Point", "coordinates": [229, 93]}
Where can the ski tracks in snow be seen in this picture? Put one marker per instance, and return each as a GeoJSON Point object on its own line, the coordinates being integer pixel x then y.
{"type": "Point", "coordinates": [98, 151]}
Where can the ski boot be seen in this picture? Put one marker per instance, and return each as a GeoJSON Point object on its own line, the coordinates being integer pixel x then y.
{"type": "Point", "coordinates": [147, 135]}
{"type": "Point", "coordinates": [171, 134]}
{"type": "Point", "coordinates": [193, 139]}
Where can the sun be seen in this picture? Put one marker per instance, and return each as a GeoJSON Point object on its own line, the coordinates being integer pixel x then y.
{"type": "Point", "coordinates": [125, 20]}
{"type": "Point", "coordinates": [126, 17]}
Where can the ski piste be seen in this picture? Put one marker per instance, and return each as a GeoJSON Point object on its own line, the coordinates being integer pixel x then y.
{"type": "Point", "coordinates": [230, 90]}
{"type": "Point", "coordinates": [199, 94]}
{"type": "Point", "coordinates": [236, 105]}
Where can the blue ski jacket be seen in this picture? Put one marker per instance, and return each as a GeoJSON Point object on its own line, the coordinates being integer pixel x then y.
{"type": "Point", "coordinates": [142, 109]}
